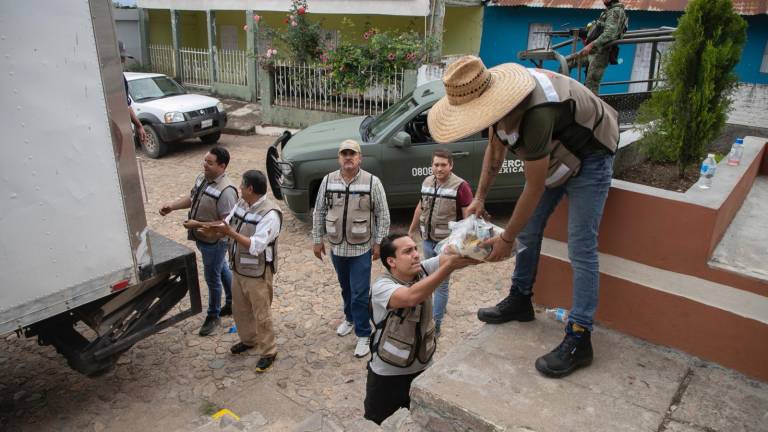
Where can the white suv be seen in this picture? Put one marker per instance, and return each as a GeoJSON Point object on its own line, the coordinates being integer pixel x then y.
{"type": "Point", "coordinates": [170, 114]}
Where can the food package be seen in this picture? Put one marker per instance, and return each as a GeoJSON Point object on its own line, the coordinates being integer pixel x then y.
{"type": "Point", "coordinates": [467, 237]}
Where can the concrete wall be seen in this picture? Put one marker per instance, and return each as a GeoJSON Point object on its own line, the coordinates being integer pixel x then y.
{"type": "Point", "coordinates": [750, 106]}
{"type": "Point", "coordinates": [463, 30]}
{"type": "Point", "coordinates": [505, 33]}
{"type": "Point", "coordinates": [127, 30]}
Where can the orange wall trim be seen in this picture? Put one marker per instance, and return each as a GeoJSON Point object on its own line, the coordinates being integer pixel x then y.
{"type": "Point", "coordinates": [663, 318]}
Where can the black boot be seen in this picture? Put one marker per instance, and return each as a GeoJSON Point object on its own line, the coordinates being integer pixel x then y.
{"type": "Point", "coordinates": [515, 307]}
{"type": "Point", "coordinates": [575, 351]}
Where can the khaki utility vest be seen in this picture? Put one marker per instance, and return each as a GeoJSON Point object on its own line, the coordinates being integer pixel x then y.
{"type": "Point", "coordinates": [589, 113]}
{"type": "Point", "coordinates": [350, 208]}
{"type": "Point", "coordinates": [205, 197]}
{"type": "Point", "coordinates": [438, 206]}
{"type": "Point", "coordinates": [244, 221]}
{"type": "Point", "coordinates": [405, 334]}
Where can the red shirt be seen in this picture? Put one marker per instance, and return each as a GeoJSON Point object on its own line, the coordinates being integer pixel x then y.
{"type": "Point", "coordinates": [463, 199]}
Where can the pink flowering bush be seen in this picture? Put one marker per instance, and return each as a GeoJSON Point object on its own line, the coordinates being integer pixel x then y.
{"type": "Point", "coordinates": [383, 53]}
{"type": "Point", "coordinates": [300, 37]}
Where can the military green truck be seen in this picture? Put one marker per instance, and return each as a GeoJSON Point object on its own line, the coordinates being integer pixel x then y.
{"type": "Point", "coordinates": [396, 147]}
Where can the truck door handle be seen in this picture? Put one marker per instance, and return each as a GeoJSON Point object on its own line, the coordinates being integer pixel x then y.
{"type": "Point", "coordinates": [459, 154]}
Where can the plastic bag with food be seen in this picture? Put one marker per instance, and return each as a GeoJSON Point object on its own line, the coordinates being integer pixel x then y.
{"type": "Point", "coordinates": [467, 237]}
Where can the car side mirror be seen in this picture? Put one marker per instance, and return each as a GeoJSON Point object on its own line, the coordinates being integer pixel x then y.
{"type": "Point", "coordinates": [402, 140]}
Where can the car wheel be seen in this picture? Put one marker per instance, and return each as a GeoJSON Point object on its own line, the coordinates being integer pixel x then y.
{"type": "Point", "coordinates": [154, 147]}
{"type": "Point", "coordinates": [211, 138]}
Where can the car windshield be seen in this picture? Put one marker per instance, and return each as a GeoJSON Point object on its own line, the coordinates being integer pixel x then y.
{"type": "Point", "coordinates": [395, 111]}
{"type": "Point", "coordinates": [153, 88]}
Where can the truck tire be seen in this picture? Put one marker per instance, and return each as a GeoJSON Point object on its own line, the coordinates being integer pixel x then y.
{"type": "Point", "coordinates": [154, 146]}
{"type": "Point", "coordinates": [211, 138]}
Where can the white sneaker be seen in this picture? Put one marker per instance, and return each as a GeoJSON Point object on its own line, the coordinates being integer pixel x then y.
{"type": "Point", "coordinates": [362, 349]}
{"type": "Point", "coordinates": [345, 328]}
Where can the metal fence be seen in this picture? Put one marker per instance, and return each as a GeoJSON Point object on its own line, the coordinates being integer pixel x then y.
{"type": "Point", "coordinates": [310, 87]}
{"type": "Point", "coordinates": [194, 67]}
{"type": "Point", "coordinates": [162, 59]}
{"type": "Point", "coordinates": [231, 67]}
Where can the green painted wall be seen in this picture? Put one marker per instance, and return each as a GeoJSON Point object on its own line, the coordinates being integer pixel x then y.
{"type": "Point", "coordinates": [159, 27]}
{"type": "Point", "coordinates": [463, 30]}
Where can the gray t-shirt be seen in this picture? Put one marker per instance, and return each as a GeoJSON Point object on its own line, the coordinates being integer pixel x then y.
{"type": "Point", "coordinates": [381, 291]}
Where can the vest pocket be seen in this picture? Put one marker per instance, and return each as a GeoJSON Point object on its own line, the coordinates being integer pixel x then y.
{"type": "Point", "coordinates": [330, 225]}
{"type": "Point", "coordinates": [441, 230]}
{"type": "Point", "coordinates": [359, 231]}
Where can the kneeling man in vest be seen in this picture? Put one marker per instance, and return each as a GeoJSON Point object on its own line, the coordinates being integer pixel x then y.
{"type": "Point", "coordinates": [404, 339]}
{"type": "Point", "coordinates": [253, 227]}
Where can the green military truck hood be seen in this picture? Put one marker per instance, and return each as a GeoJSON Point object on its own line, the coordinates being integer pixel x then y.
{"type": "Point", "coordinates": [322, 138]}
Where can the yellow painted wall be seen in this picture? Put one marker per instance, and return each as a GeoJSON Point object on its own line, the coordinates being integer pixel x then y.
{"type": "Point", "coordinates": [160, 27]}
{"type": "Point", "coordinates": [231, 18]}
{"type": "Point", "coordinates": [463, 29]}
{"type": "Point", "coordinates": [194, 31]}
{"type": "Point", "coordinates": [193, 26]}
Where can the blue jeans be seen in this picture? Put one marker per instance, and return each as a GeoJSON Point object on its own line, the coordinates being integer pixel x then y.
{"type": "Point", "coordinates": [354, 275]}
{"type": "Point", "coordinates": [440, 297]}
{"type": "Point", "coordinates": [217, 274]}
{"type": "Point", "coordinates": [586, 198]}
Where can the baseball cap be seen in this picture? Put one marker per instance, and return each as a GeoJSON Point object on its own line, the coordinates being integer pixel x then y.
{"type": "Point", "coordinates": [350, 145]}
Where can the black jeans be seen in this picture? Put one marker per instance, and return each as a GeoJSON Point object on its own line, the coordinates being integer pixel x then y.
{"type": "Point", "coordinates": [385, 394]}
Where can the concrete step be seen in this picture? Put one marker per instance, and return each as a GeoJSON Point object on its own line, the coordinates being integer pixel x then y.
{"type": "Point", "coordinates": [744, 246]}
{"type": "Point", "coordinates": [711, 320]}
{"type": "Point", "coordinates": [489, 383]}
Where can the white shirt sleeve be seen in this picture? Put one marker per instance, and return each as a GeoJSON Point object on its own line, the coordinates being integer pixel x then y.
{"type": "Point", "coordinates": [229, 217]}
{"type": "Point", "coordinates": [431, 264]}
{"type": "Point", "coordinates": [267, 231]}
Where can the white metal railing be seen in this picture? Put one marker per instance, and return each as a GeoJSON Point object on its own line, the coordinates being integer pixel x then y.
{"type": "Point", "coordinates": [194, 67]}
{"type": "Point", "coordinates": [231, 67]}
{"type": "Point", "coordinates": [303, 86]}
{"type": "Point", "coordinates": [162, 59]}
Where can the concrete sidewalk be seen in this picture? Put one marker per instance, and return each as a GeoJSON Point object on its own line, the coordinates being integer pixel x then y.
{"type": "Point", "coordinates": [489, 383]}
{"type": "Point", "coordinates": [244, 118]}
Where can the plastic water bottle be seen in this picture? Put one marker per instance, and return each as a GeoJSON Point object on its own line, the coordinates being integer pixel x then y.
{"type": "Point", "coordinates": [557, 314]}
{"type": "Point", "coordinates": [708, 168]}
{"type": "Point", "coordinates": [737, 150]}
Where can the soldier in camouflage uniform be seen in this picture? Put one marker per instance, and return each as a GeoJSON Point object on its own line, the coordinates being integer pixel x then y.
{"type": "Point", "coordinates": [609, 27]}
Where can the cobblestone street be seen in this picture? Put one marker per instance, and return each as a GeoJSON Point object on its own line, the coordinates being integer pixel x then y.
{"type": "Point", "coordinates": [169, 380]}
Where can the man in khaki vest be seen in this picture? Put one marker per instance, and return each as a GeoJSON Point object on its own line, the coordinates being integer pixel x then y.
{"type": "Point", "coordinates": [444, 199]}
{"type": "Point", "coordinates": [212, 197]}
{"type": "Point", "coordinates": [351, 212]}
{"type": "Point", "coordinates": [566, 137]}
{"type": "Point", "coordinates": [404, 290]}
{"type": "Point", "coordinates": [253, 226]}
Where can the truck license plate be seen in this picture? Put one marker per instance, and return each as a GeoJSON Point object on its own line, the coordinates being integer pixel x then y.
{"type": "Point", "coordinates": [206, 123]}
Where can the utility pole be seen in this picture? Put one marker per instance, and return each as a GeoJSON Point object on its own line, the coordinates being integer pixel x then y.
{"type": "Point", "coordinates": [436, 29]}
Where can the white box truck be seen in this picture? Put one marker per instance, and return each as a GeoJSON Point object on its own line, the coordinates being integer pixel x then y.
{"type": "Point", "coordinates": [79, 268]}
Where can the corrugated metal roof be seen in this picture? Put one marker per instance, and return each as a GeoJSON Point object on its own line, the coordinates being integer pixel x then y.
{"type": "Point", "coordinates": [742, 7]}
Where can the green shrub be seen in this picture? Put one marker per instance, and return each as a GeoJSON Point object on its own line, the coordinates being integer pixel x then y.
{"type": "Point", "coordinates": [688, 113]}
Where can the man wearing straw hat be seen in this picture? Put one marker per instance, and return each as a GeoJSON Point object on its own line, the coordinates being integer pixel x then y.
{"type": "Point", "coordinates": [566, 137]}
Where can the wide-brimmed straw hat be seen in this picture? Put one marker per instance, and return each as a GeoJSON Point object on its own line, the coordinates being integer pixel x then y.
{"type": "Point", "coordinates": [476, 97]}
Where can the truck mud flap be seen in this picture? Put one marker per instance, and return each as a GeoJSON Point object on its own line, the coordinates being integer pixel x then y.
{"type": "Point", "coordinates": [274, 173]}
